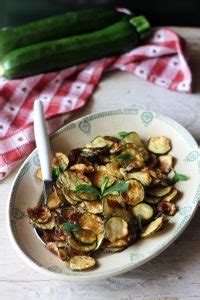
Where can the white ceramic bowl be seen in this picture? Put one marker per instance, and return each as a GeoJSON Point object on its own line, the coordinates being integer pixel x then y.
{"type": "Point", "coordinates": [27, 189]}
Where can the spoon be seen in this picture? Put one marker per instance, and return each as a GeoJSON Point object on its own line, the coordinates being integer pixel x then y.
{"type": "Point", "coordinates": [44, 153]}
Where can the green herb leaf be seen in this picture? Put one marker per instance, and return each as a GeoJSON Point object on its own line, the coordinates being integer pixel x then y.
{"type": "Point", "coordinates": [71, 227]}
{"type": "Point", "coordinates": [124, 158]}
{"type": "Point", "coordinates": [86, 188]}
{"type": "Point", "coordinates": [179, 177]}
{"type": "Point", "coordinates": [84, 154]}
{"type": "Point", "coordinates": [139, 222]}
{"type": "Point", "coordinates": [122, 186]}
{"type": "Point", "coordinates": [104, 184]}
{"type": "Point", "coordinates": [57, 172]}
{"type": "Point", "coordinates": [122, 134]}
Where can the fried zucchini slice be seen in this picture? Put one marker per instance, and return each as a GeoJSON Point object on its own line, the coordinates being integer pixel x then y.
{"type": "Point", "coordinates": [133, 137]}
{"type": "Point", "coordinates": [95, 223]}
{"type": "Point", "coordinates": [172, 196]}
{"type": "Point", "coordinates": [80, 247]}
{"type": "Point", "coordinates": [135, 192]}
{"type": "Point", "coordinates": [165, 163]}
{"type": "Point", "coordinates": [60, 160]}
{"type": "Point", "coordinates": [81, 262]}
{"type": "Point", "coordinates": [70, 180]}
{"type": "Point", "coordinates": [61, 253]}
{"type": "Point", "coordinates": [116, 228]}
{"type": "Point", "coordinates": [159, 145]}
{"type": "Point", "coordinates": [82, 168]}
{"type": "Point", "coordinates": [113, 169]}
{"type": "Point", "coordinates": [94, 207]}
{"type": "Point", "coordinates": [85, 236]}
{"type": "Point", "coordinates": [112, 207]}
{"type": "Point", "coordinates": [159, 191]}
{"type": "Point", "coordinates": [144, 211]}
{"type": "Point", "coordinates": [113, 249]}
{"type": "Point", "coordinates": [167, 208]}
{"type": "Point", "coordinates": [46, 226]}
{"type": "Point", "coordinates": [53, 201]}
{"type": "Point", "coordinates": [152, 227]}
{"type": "Point", "coordinates": [99, 175]}
{"type": "Point", "coordinates": [142, 176]}
{"type": "Point", "coordinates": [70, 214]}
{"type": "Point", "coordinates": [151, 199]}
{"type": "Point", "coordinates": [99, 142]}
{"type": "Point", "coordinates": [39, 214]}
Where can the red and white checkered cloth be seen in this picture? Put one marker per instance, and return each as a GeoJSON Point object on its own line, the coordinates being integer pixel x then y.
{"type": "Point", "coordinates": [160, 61]}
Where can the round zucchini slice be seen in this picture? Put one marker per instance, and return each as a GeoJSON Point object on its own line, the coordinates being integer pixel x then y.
{"type": "Point", "coordinates": [159, 145]}
{"type": "Point", "coordinates": [133, 137]}
{"type": "Point", "coordinates": [94, 207]}
{"type": "Point", "coordinates": [94, 223]}
{"type": "Point", "coordinates": [70, 179]}
{"type": "Point", "coordinates": [60, 160]}
{"type": "Point", "coordinates": [167, 208]}
{"type": "Point", "coordinates": [165, 163]}
{"type": "Point", "coordinates": [112, 207]}
{"type": "Point", "coordinates": [116, 228]}
{"type": "Point", "coordinates": [81, 262]}
{"type": "Point", "coordinates": [152, 200]}
{"type": "Point", "coordinates": [142, 176]}
{"type": "Point", "coordinates": [172, 196]}
{"type": "Point", "coordinates": [152, 227]}
{"type": "Point", "coordinates": [53, 201]}
{"type": "Point", "coordinates": [85, 236]}
{"type": "Point", "coordinates": [46, 226]}
{"type": "Point", "coordinates": [135, 192]}
{"type": "Point", "coordinates": [144, 211]}
{"type": "Point", "coordinates": [79, 246]}
{"type": "Point", "coordinates": [99, 142]}
{"type": "Point", "coordinates": [99, 175]}
{"type": "Point", "coordinates": [159, 191]}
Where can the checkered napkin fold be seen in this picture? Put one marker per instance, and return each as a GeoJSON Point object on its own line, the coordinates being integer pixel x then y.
{"type": "Point", "coordinates": [161, 60]}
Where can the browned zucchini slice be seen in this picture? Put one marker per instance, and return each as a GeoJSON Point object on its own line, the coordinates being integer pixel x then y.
{"type": "Point", "coordinates": [152, 227]}
{"type": "Point", "coordinates": [167, 208]}
{"type": "Point", "coordinates": [142, 176]}
{"type": "Point", "coordinates": [93, 207]}
{"type": "Point", "coordinates": [39, 214]}
{"type": "Point", "coordinates": [70, 180]}
{"type": "Point", "coordinates": [46, 226]}
{"type": "Point", "coordinates": [81, 262]}
{"type": "Point", "coordinates": [79, 246]}
{"type": "Point", "coordinates": [133, 137]}
{"type": "Point", "coordinates": [165, 163]}
{"type": "Point", "coordinates": [61, 253]}
{"type": "Point", "coordinates": [113, 169]}
{"type": "Point", "coordinates": [85, 236]}
{"type": "Point", "coordinates": [135, 192]}
{"type": "Point", "coordinates": [144, 211]}
{"type": "Point", "coordinates": [116, 228]}
{"type": "Point", "coordinates": [99, 142]}
{"type": "Point", "coordinates": [151, 199]}
{"type": "Point", "coordinates": [82, 168]}
{"type": "Point", "coordinates": [159, 191]}
{"type": "Point", "coordinates": [60, 160]}
{"type": "Point", "coordinates": [94, 223]}
{"type": "Point", "coordinates": [53, 201]}
{"type": "Point", "coordinates": [99, 175]}
{"type": "Point", "coordinates": [112, 207]}
{"type": "Point", "coordinates": [159, 145]}
{"type": "Point", "coordinates": [172, 196]}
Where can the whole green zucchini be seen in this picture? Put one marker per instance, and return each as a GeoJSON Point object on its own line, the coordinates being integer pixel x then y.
{"type": "Point", "coordinates": [57, 27]}
{"type": "Point", "coordinates": [54, 55]}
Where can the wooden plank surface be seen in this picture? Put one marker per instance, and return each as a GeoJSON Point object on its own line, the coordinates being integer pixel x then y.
{"type": "Point", "coordinates": [175, 274]}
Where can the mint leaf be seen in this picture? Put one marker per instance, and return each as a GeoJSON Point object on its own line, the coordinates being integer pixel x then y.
{"type": "Point", "coordinates": [71, 227]}
{"type": "Point", "coordinates": [57, 172]}
{"type": "Point", "coordinates": [122, 186]}
{"type": "Point", "coordinates": [104, 184]}
{"type": "Point", "coordinates": [86, 188]}
{"type": "Point", "coordinates": [179, 177]}
{"type": "Point", "coordinates": [124, 158]}
{"type": "Point", "coordinates": [122, 134]}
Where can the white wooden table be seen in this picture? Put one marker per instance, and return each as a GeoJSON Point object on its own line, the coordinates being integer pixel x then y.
{"type": "Point", "coordinates": [175, 274]}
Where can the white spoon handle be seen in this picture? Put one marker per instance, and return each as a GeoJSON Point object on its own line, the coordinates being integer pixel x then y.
{"type": "Point", "coordinates": [42, 141]}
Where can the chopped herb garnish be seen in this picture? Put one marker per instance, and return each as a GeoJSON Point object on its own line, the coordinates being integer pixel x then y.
{"type": "Point", "coordinates": [104, 184]}
{"type": "Point", "coordinates": [121, 187]}
{"type": "Point", "coordinates": [88, 189]}
{"type": "Point", "coordinates": [124, 158]}
{"type": "Point", "coordinates": [71, 227]}
{"type": "Point", "coordinates": [179, 177]}
{"type": "Point", "coordinates": [122, 134]}
{"type": "Point", "coordinates": [57, 172]}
